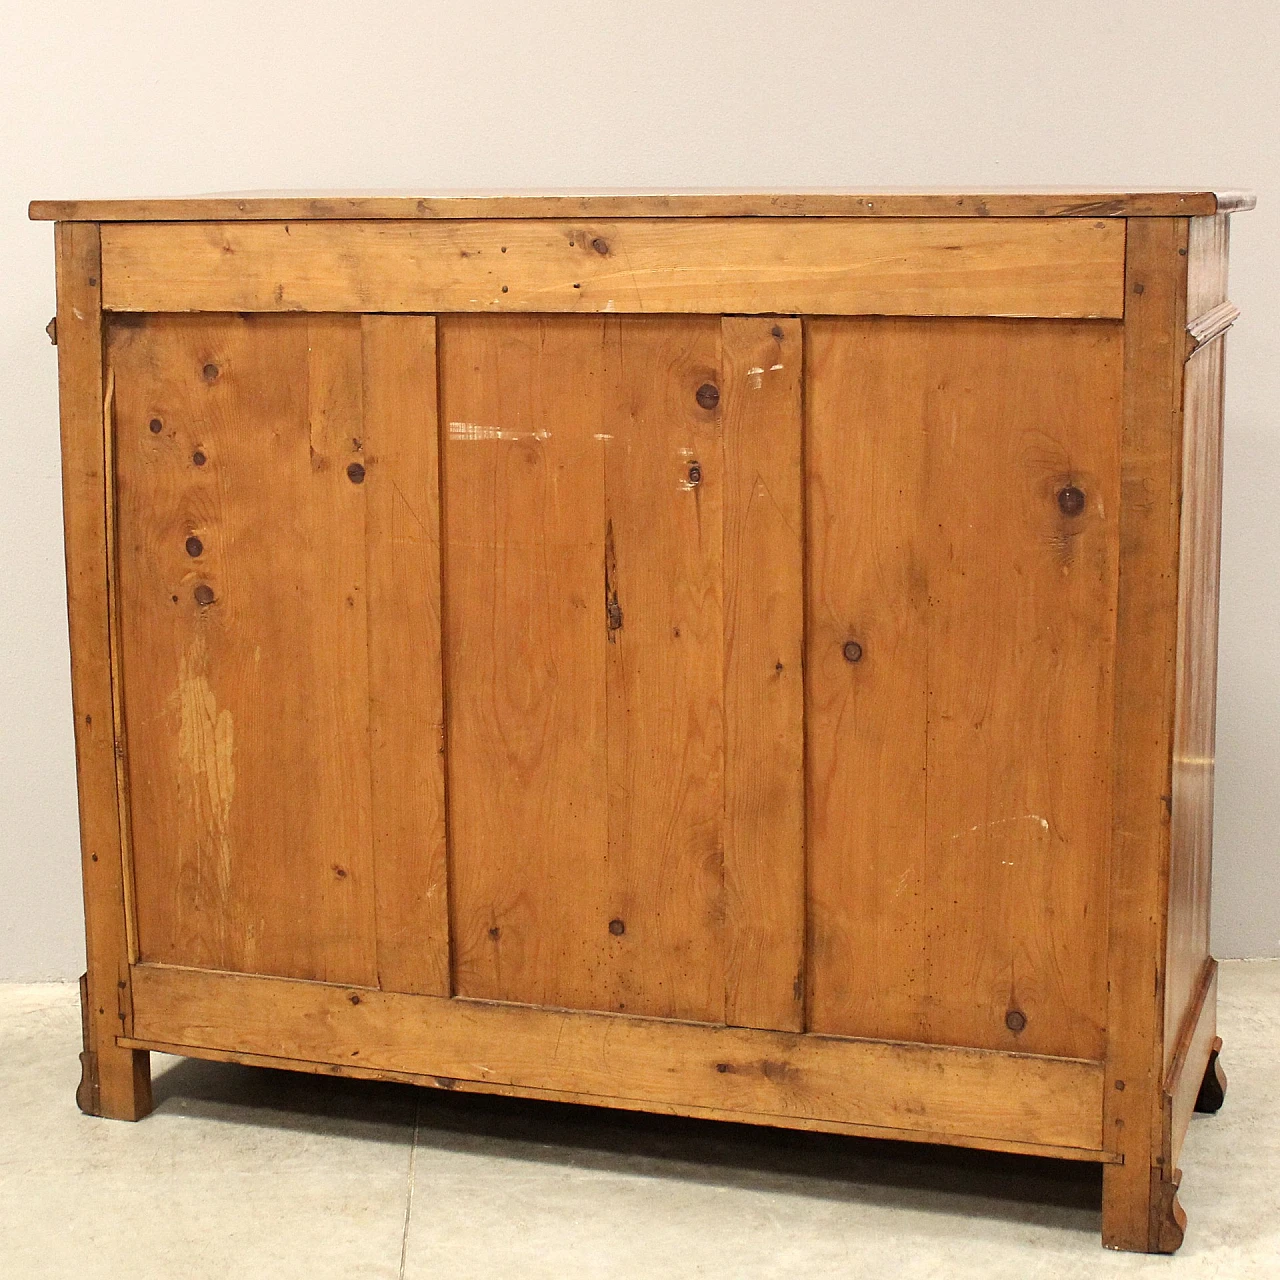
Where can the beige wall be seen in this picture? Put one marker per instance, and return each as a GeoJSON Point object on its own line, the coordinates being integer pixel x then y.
{"type": "Point", "coordinates": [161, 98]}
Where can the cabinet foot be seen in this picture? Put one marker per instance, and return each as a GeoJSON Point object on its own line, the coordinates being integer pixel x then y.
{"type": "Point", "coordinates": [114, 1083]}
{"type": "Point", "coordinates": [1213, 1089]}
{"type": "Point", "coordinates": [1140, 1209]}
{"type": "Point", "coordinates": [1168, 1218]}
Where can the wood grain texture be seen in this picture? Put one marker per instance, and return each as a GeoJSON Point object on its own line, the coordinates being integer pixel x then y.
{"type": "Point", "coordinates": [584, 649]}
{"type": "Point", "coordinates": [1137, 1195]}
{"type": "Point", "coordinates": [742, 1073]}
{"type": "Point", "coordinates": [256, 564]}
{"type": "Point", "coordinates": [1081, 202]}
{"type": "Point", "coordinates": [815, 1124]}
{"type": "Point", "coordinates": [764, 871]}
{"type": "Point", "coordinates": [1196, 1041]}
{"type": "Point", "coordinates": [664, 507]}
{"type": "Point", "coordinates": [963, 480]}
{"type": "Point", "coordinates": [522, 409]}
{"type": "Point", "coordinates": [1210, 325]}
{"type": "Point", "coordinates": [401, 454]}
{"type": "Point", "coordinates": [995, 266]}
{"type": "Point", "coordinates": [117, 1082]}
{"type": "Point", "coordinates": [1196, 684]}
{"type": "Point", "coordinates": [1208, 241]}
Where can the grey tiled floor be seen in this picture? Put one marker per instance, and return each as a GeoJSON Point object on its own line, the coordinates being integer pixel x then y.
{"type": "Point", "coordinates": [250, 1173]}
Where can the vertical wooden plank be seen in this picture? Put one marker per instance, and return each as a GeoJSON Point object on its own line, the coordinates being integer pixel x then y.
{"type": "Point", "coordinates": [1196, 686]}
{"type": "Point", "coordinates": [764, 874]}
{"type": "Point", "coordinates": [1196, 672]}
{"type": "Point", "coordinates": [1024, 428]}
{"type": "Point", "coordinates": [965, 483]}
{"type": "Point", "coordinates": [244, 641]}
{"type": "Point", "coordinates": [664, 520]}
{"type": "Point", "coordinates": [1207, 256]}
{"type": "Point", "coordinates": [1139, 1196]}
{"type": "Point", "coordinates": [406, 715]}
{"type": "Point", "coordinates": [116, 1082]}
{"type": "Point", "coordinates": [335, 628]}
{"type": "Point", "coordinates": [866, 491]}
{"type": "Point", "coordinates": [525, 638]}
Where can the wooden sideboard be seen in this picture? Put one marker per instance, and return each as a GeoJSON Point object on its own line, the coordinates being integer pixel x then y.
{"type": "Point", "coordinates": [745, 656]}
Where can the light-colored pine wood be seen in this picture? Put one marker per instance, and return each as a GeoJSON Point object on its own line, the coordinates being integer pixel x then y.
{"type": "Point", "coordinates": [400, 453]}
{"type": "Point", "coordinates": [1196, 1041]}
{"type": "Point", "coordinates": [1139, 1196]}
{"type": "Point", "coordinates": [959, 776]}
{"type": "Point", "coordinates": [245, 641]}
{"type": "Point", "coordinates": [584, 659]}
{"type": "Point", "coordinates": [1194, 739]}
{"type": "Point", "coordinates": [664, 510]}
{"type": "Point", "coordinates": [745, 1072]}
{"type": "Point", "coordinates": [762, 382]}
{"type": "Point", "coordinates": [522, 411]}
{"type": "Point", "coordinates": [1208, 240]}
{"type": "Point", "coordinates": [813, 1124]}
{"type": "Point", "coordinates": [1079, 202]}
{"type": "Point", "coordinates": [1212, 324]}
{"type": "Point", "coordinates": [825, 698]}
{"type": "Point", "coordinates": [117, 1082]}
{"type": "Point", "coordinates": [988, 266]}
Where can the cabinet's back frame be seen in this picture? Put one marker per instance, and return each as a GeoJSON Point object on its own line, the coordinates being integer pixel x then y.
{"type": "Point", "coordinates": [1153, 262]}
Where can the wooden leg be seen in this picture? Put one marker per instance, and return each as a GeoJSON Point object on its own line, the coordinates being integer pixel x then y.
{"type": "Point", "coordinates": [115, 1083]}
{"type": "Point", "coordinates": [1213, 1089]}
{"type": "Point", "coordinates": [1140, 1209]}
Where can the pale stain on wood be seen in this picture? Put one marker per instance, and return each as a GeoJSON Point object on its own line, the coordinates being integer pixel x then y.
{"type": "Point", "coordinates": [206, 748]}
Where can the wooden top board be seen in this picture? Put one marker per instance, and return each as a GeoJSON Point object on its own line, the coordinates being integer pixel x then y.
{"type": "Point", "coordinates": [832, 203]}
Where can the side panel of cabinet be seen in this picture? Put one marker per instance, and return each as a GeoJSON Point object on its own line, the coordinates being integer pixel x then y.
{"type": "Point", "coordinates": [278, 566]}
{"type": "Point", "coordinates": [590, 685]}
{"type": "Point", "coordinates": [962, 499]}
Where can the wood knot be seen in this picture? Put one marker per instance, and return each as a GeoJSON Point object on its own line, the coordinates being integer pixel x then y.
{"type": "Point", "coordinates": [155, 426]}
{"type": "Point", "coordinates": [601, 246]}
{"type": "Point", "coordinates": [198, 458]}
{"type": "Point", "coordinates": [852, 651]}
{"type": "Point", "coordinates": [1015, 1020]}
{"type": "Point", "coordinates": [617, 928]}
{"type": "Point", "coordinates": [210, 372]}
{"type": "Point", "coordinates": [1071, 500]}
{"type": "Point", "coordinates": [708, 395]}
{"type": "Point", "coordinates": [194, 546]}
{"type": "Point", "coordinates": [355, 473]}
{"type": "Point", "coordinates": [203, 594]}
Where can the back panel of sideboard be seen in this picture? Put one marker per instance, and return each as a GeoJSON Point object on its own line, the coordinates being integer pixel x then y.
{"type": "Point", "coordinates": [743, 670]}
